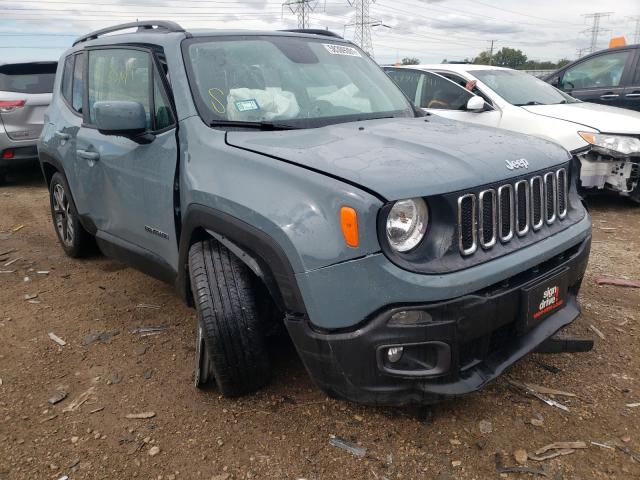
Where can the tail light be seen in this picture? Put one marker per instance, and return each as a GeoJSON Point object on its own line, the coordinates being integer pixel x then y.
{"type": "Point", "coordinates": [7, 106]}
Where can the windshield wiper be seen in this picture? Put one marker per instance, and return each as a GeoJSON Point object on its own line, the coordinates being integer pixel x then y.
{"type": "Point", "coordinates": [532, 102]}
{"type": "Point", "coordinates": [267, 126]}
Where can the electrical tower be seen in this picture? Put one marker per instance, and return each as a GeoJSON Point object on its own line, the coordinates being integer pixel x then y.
{"type": "Point", "coordinates": [636, 35]}
{"type": "Point", "coordinates": [363, 25]}
{"type": "Point", "coordinates": [303, 9]}
{"type": "Point", "coordinates": [595, 28]}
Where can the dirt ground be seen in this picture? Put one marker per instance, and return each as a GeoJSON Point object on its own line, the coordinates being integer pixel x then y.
{"type": "Point", "coordinates": [283, 431]}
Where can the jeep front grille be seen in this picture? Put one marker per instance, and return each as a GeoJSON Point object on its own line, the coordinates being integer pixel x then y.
{"type": "Point", "coordinates": [511, 209]}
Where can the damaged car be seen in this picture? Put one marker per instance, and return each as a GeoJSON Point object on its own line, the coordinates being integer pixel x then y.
{"type": "Point", "coordinates": [606, 139]}
{"type": "Point", "coordinates": [281, 179]}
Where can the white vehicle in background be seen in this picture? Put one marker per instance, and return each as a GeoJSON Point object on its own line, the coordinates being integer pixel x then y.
{"type": "Point", "coordinates": [605, 139]}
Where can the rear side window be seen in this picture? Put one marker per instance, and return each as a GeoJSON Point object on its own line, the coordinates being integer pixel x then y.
{"type": "Point", "coordinates": [78, 84]}
{"type": "Point", "coordinates": [407, 80]}
{"type": "Point", "coordinates": [28, 77]}
{"type": "Point", "coordinates": [67, 76]}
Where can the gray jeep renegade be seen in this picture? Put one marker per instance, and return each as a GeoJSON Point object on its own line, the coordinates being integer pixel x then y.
{"type": "Point", "coordinates": [282, 177]}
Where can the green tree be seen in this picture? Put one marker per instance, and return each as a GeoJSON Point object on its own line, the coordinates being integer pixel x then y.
{"type": "Point", "coordinates": [509, 57]}
{"type": "Point", "coordinates": [563, 62]}
{"type": "Point", "coordinates": [410, 61]}
{"type": "Point", "coordinates": [482, 59]}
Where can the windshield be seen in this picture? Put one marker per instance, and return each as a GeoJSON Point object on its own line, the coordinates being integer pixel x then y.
{"type": "Point", "coordinates": [520, 88]}
{"type": "Point", "coordinates": [294, 81]}
{"type": "Point", "coordinates": [27, 77]}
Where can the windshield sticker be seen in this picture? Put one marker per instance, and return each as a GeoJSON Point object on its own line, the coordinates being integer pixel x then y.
{"type": "Point", "coordinates": [334, 49]}
{"type": "Point", "coordinates": [216, 103]}
{"type": "Point", "coordinates": [247, 105]}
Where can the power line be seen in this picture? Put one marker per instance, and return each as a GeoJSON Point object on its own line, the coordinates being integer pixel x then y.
{"type": "Point", "coordinates": [595, 28]}
{"type": "Point", "coordinates": [636, 35]}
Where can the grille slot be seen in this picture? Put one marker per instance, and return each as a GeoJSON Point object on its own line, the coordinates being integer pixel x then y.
{"type": "Point", "coordinates": [511, 209]}
{"type": "Point", "coordinates": [537, 203]}
{"type": "Point", "coordinates": [551, 197]}
{"type": "Point", "coordinates": [487, 218]}
{"type": "Point", "coordinates": [467, 224]}
{"type": "Point", "coordinates": [505, 212]}
{"type": "Point", "coordinates": [563, 192]}
{"type": "Point", "coordinates": [522, 207]}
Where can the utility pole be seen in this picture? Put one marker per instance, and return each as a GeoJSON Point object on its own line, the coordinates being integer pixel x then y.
{"type": "Point", "coordinates": [491, 53]}
{"type": "Point", "coordinates": [363, 25]}
{"type": "Point", "coordinates": [595, 28]}
{"type": "Point", "coordinates": [303, 9]}
{"type": "Point", "coordinates": [636, 35]}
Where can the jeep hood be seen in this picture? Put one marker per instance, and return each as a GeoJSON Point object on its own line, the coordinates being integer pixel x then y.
{"type": "Point", "coordinates": [604, 118]}
{"type": "Point", "coordinates": [401, 158]}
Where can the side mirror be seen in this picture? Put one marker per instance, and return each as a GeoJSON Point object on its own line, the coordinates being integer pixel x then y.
{"type": "Point", "coordinates": [123, 118]}
{"type": "Point", "coordinates": [475, 104]}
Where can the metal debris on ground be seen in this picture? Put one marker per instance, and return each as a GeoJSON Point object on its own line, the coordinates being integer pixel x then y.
{"type": "Point", "coordinates": [11, 262]}
{"type": "Point", "coordinates": [548, 391]}
{"type": "Point", "coordinates": [80, 400]}
{"type": "Point", "coordinates": [633, 405]}
{"type": "Point", "coordinates": [350, 447]}
{"type": "Point", "coordinates": [502, 468]}
{"type": "Point", "coordinates": [102, 337]}
{"type": "Point", "coordinates": [547, 367]}
{"type": "Point", "coordinates": [57, 339]}
{"type": "Point", "coordinates": [17, 228]}
{"type": "Point", "coordinates": [146, 305]}
{"type": "Point", "coordinates": [524, 389]}
{"type": "Point", "coordinates": [43, 272]}
{"type": "Point", "coordinates": [603, 445]}
{"type": "Point", "coordinates": [149, 330]}
{"type": "Point", "coordinates": [28, 296]}
{"type": "Point", "coordinates": [632, 453]}
{"type": "Point", "coordinates": [7, 271]}
{"type": "Point", "coordinates": [556, 449]}
{"type": "Point", "coordinates": [618, 282]}
{"type": "Point", "coordinates": [141, 416]}
{"type": "Point", "coordinates": [596, 331]}
{"type": "Point", "coordinates": [96, 410]}
{"type": "Point", "coordinates": [57, 397]}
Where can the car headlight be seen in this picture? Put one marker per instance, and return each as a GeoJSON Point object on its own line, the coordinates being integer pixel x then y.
{"type": "Point", "coordinates": [612, 143]}
{"type": "Point", "coordinates": [407, 223]}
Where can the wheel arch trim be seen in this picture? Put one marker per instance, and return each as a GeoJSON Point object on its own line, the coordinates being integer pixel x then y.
{"type": "Point", "coordinates": [256, 249]}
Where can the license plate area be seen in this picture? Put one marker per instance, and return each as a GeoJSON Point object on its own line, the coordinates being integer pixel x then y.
{"type": "Point", "coordinates": [543, 299]}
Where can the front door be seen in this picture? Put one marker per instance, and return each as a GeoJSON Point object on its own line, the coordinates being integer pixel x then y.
{"type": "Point", "coordinates": [134, 182]}
{"type": "Point", "coordinates": [599, 79]}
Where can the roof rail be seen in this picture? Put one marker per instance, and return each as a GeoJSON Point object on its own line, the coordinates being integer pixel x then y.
{"type": "Point", "coordinates": [160, 25]}
{"type": "Point", "coordinates": [314, 31]}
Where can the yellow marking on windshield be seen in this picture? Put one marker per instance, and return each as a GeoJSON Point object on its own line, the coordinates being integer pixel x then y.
{"type": "Point", "coordinates": [216, 103]}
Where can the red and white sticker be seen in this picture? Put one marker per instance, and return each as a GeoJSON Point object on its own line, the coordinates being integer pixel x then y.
{"type": "Point", "coordinates": [334, 49]}
{"type": "Point", "coordinates": [550, 301]}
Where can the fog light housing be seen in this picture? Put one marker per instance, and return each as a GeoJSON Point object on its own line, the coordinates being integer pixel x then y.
{"type": "Point", "coordinates": [394, 354]}
{"type": "Point", "coordinates": [410, 317]}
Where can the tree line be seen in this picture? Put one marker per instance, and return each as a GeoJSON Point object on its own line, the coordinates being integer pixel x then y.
{"type": "Point", "coordinates": [505, 57]}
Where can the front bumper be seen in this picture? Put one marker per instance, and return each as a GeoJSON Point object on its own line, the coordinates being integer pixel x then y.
{"type": "Point", "coordinates": [470, 340]}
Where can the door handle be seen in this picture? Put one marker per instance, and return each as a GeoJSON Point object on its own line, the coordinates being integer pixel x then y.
{"type": "Point", "coordinates": [632, 95]}
{"type": "Point", "coordinates": [609, 96]}
{"type": "Point", "coordinates": [93, 156]}
{"type": "Point", "coordinates": [62, 135]}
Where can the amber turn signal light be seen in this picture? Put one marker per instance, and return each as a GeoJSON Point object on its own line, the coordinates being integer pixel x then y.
{"type": "Point", "coordinates": [349, 223]}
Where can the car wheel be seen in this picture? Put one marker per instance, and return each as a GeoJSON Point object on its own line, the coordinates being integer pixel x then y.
{"type": "Point", "coordinates": [73, 238]}
{"type": "Point", "coordinates": [231, 347]}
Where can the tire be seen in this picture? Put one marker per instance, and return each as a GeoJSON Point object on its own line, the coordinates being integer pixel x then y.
{"type": "Point", "coordinates": [73, 238]}
{"type": "Point", "coordinates": [231, 346]}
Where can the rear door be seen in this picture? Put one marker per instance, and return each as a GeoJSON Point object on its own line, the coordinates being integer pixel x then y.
{"type": "Point", "coordinates": [599, 78]}
{"type": "Point", "coordinates": [132, 183]}
{"type": "Point", "coordinates": [632, 90]}
{"type": "Point", "coordinates": [25, 94]}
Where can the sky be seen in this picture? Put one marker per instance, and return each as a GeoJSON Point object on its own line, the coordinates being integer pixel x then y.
{"type": "Point", "coordinates": [430, 30]}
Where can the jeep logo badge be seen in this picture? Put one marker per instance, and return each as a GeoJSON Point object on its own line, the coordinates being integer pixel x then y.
{"type": "Point", "coordinates": [516, 164]}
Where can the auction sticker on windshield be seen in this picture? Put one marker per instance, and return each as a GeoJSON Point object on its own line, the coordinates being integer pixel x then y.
{"type": "Point", "coordinates": [247, 105]}
{"type": "Point", "coordinates": [341, 50]}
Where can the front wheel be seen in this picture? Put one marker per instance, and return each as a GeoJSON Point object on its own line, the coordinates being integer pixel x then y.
{"type": "Point", "coordinates": [231, 348]}
{"type": "Point", "coordinates": [73, 238]}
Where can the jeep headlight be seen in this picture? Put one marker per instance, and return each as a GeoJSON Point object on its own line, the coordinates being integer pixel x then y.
{"type": "Point", "coordinates": [407, 223]}
{"type": "Point", "coordinates": [612, 143]}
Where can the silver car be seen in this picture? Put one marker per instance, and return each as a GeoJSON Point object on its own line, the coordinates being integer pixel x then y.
{"type": "Point", "coordinates": [25, 93]}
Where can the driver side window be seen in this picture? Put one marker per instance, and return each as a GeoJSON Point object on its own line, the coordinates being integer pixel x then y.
{"type": "Point", "coordinates": [598, 72]}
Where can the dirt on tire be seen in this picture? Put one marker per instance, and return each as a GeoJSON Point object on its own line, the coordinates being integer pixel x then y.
{"type": "Point", "coordinates": [114, 367]}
